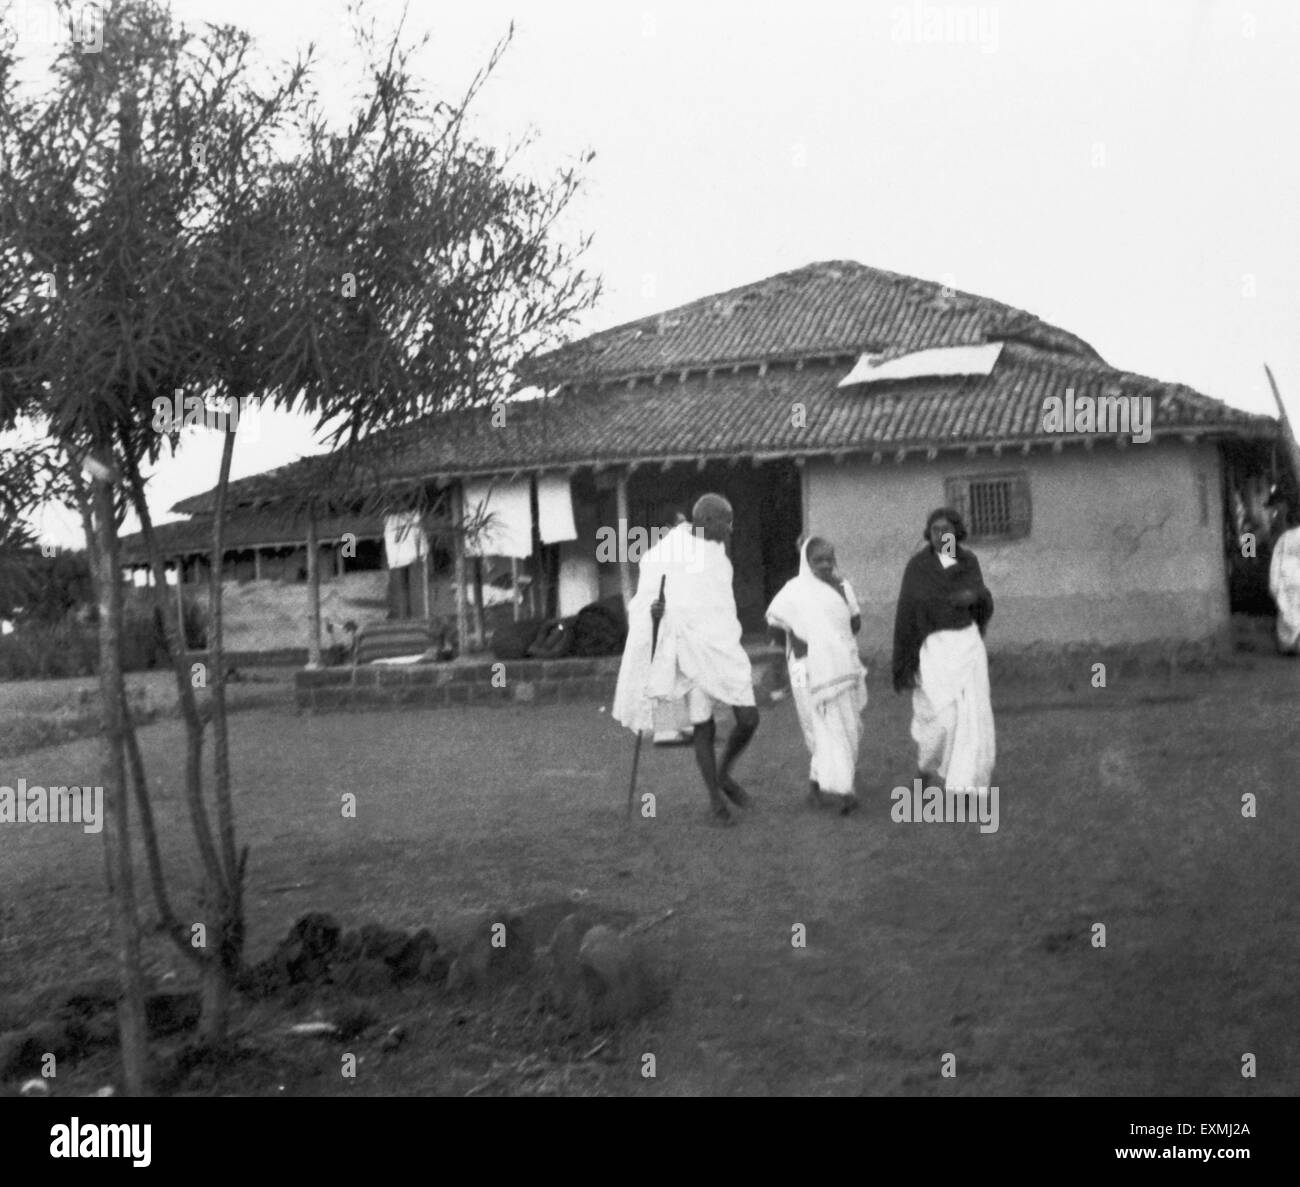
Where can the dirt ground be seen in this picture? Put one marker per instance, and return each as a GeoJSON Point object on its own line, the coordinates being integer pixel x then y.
{"type": "Point", "coordinates": [1120, 806]}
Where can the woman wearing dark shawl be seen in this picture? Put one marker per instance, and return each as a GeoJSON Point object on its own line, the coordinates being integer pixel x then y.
{"type": "Point", "coordinates": [943, 609]}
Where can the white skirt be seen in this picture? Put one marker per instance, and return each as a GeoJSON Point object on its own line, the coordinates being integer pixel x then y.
{"type": "Point", "coordinates": [952, 713]}
{"type": "Point", "coordinates": [832, 732]}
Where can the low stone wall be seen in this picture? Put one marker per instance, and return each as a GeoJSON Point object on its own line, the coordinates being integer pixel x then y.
{"type": "Point", "coordinates": [283, 657]}
{"type": "Point", "coordinates": [486, 682]}
{"type": "Point", "coordinates": [547, 682]}
{"type": "Point", "coordinates": [1073, 665]}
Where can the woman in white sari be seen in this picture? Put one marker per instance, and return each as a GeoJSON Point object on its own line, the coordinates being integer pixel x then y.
{"type": "Point", "coordinates": [816, 617]}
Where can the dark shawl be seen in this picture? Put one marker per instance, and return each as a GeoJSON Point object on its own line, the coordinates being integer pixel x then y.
{"type": "Point", "coordinates": [925, 604]}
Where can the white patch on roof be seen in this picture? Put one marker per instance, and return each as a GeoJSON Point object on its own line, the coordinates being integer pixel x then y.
{"type": "Point", "coordinates": [941, 360]}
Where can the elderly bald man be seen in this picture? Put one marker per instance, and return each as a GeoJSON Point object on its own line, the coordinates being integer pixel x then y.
{"type": "Point", "coordinates": [699, 655]}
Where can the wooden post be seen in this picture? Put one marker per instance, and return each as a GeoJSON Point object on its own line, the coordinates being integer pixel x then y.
{"type": "Point", "coordinates": [426, 575]}
{"type": "Point", "coordinates": [624, 571]}
{"type": "Point", "coordinates": [480, 619]}
{"type": "Point", "coordinates": [1288, 436]}
{"type": "Point", "coordinates": [458, 558]}
{"type": "Point", "coordinates": [180, 600]}
{"type": "Point", "coordinates": [517, 601]}
{"type": "Point", "coordinates": [313, 593]}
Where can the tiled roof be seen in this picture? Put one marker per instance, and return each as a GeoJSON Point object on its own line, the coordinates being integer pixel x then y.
{"type": "Point", "coordinates": [265, 528]}
{"type": "Point", "coordinates": [831, 308]}
{"type": "Point", "coordinates": [751, 412]}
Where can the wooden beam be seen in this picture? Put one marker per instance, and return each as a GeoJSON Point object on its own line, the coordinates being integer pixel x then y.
{"type": "Point", "coordinates": [701, 462]}
{"type": "Point", "coordinates": [480, 610]}
{"type": "Point", "coordinates": [1290, 446]}
{"type": "Point", "coordinates": [624, 571]}
{"type": "Point", "coordinates": [180, 599]}
{"type": "Point", "coordinates": [426, 576]}
{"type": "Point", "coordinates": [313, 592]}
{"type": "Point", "coordinates": [931, 454]}
{"type": "Point", "coordinates": [664, 467]}
{"type": "Point", "coordinates": [1025, 448]}
{"type": "Point", "coordinates": [516, 601]}
{"type": "Point", "coordinates": [458, 560]}
{"type": "Point", "coordinates": [997, 450]}
{"type": "Point", "coordinates": [899, 456]}
{"type": "Point", "coordinates": [877, 457]}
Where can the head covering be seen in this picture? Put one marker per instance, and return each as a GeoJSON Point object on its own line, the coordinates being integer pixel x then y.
{"type": "Point", "coordinates": [821, 615]}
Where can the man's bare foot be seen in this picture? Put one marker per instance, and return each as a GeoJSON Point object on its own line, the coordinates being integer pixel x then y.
{"type": "Point", "coordinates": [848, 804]}
{"type": "Point", "coordinates": [720, 814]}
{"type": "Point", "coordinates": [816, 797]}
{"type": "Point", "coordinates": [719, 810]}
{"type": "Point", "coordinates": [734, 792]}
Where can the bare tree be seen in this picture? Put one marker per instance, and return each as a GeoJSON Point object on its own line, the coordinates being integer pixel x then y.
{"type": "Point", "coordinates": [176, 224]}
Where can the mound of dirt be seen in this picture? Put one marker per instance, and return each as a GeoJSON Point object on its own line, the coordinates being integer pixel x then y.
{"type": "Point", "coordinates": [267, 615]}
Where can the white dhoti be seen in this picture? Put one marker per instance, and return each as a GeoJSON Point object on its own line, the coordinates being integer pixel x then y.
{"type": "Point", "coordinates": [952, 713]}
{"type": "Point", "coordinates": [698, 659]}
{"type": "Point", "coordinates": [1284, 585]}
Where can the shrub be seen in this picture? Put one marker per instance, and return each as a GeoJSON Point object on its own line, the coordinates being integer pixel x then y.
{"type": "Point", "coordinates": [69, 647]}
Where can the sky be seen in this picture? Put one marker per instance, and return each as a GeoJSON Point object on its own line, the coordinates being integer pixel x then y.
{"type": "Point", "coordinates": [1125, 171]}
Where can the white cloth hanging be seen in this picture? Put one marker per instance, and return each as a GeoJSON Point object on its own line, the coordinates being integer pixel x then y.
{"type": "Point", "coordinates": [508, 509]}
{"type": "Point", "coordinates": [555, 509]}
{"type": "Point", "coordinates": [404, 539]}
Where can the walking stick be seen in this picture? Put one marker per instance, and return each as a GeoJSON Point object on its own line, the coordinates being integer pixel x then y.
{"type": "Point", "coordinates": [636, 753]}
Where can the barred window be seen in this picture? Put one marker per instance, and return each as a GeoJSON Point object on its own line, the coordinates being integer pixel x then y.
{"type": "Point", "coordinates": [994, 506]}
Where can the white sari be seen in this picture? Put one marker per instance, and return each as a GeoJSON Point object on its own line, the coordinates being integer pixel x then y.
{"type": "Point", "coordinates": [829, 684]}
{"type": "Point", "coordinates": [1284, 585]}
{"type": "Point", "coordinates": [952, 712]}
